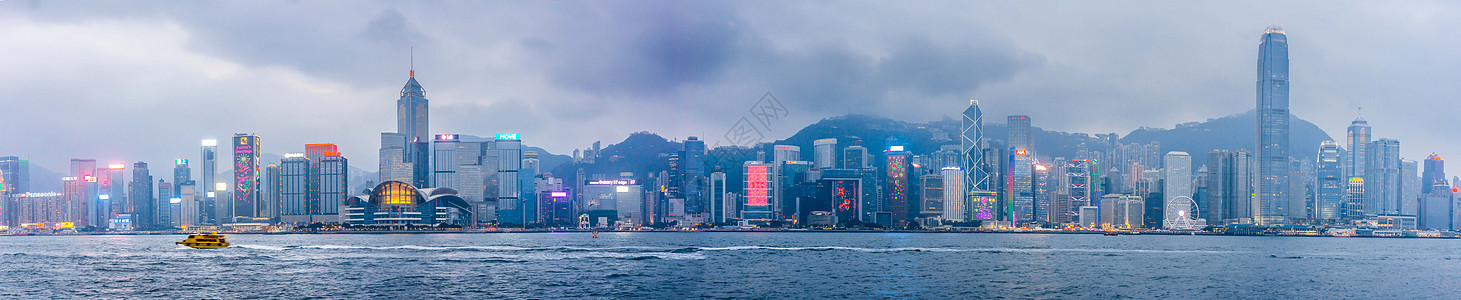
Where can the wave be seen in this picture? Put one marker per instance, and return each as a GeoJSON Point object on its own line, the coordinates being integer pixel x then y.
{"type": "Point", "coordinates": [691, 250]}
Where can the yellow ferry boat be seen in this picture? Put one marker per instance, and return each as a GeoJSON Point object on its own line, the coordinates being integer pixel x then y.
{"type": "Point", "coordinates": [205, 241]}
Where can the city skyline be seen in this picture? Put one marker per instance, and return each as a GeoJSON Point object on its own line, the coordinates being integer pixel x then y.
{"type": "Point", "coordinates": [363, 96]}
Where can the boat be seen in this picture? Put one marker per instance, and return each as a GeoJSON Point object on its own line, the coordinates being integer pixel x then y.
{"type": "Point", "coordinates": [211, 240]}
{"type": "Point", "coordinates": [1110, 233]}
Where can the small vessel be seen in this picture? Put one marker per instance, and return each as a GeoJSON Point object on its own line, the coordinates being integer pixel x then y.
{"type": "Point", "coordinates": [1110, 233]}
{"type": "Point", "coordinates": [596, 234]}
{"type": "Point", "coordinates": [211, 240]}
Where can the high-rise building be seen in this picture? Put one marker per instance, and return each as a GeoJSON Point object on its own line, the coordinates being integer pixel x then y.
{"type": "Point", "coordinates": [188, 206]}
{"type": "Point", "coordinates": [1122, 211]}
{"type": "Point", "coordinates": [181, 175]}
{"type": "Point", "coordinates": [955, 208]}
{"type": "Point", "coordinates": [14, 175]}
{"type": "Point", "coordinates": [1356, 156]}
{"type": "Point", "coordinates": [1019, 132]}
{"type": "Point", "coordinates": [932, 195]}
{"type": "Point", "coordinates": [718, 200]}
{"type": "Point", "coordinates": [1434, 178]}
{"type": "Point", "coordinates": [826, 153]}
{"type": "Point", "coordinates": [692, 177]}
{"type": "Point", "coordinates": [971, 148]}
{"type": "Point", "coordinates": [1354, 200]}
{"type": "Point", "coordinates": [246, 179]}
{"type": "Point", "coordinates": [785, 153]}
{"type": "Point", "coordinates": [209, 168]}
{"type": "Point", "coordinates": [412, 115]}
{"type": "Point", "coordinates": [1329, 188]}
{"type": "Point", "coordinates": [290, 183]}
{"type": "Point", "coordinates": [1382, 178]}
{"type": "Point", "coordinates": [1438, 211]}
{"type": "Point", "coordinates": [331, 181]}
{"type": "Point", "coordinates": [1020, 181]}
{"type": "Point", "coordinates": [1273, 126]}
{"type": "Point", "coordinates": [1409, 188]}
{"type": "Point", "coordinates": [81, 195]}
{"type": "Point", "coordinates": [897, 184]}
{"type": "Point", "coordinates": [1177, 178]}
{"type": "Point", "coordinates": [1229, 187]}
{"type": "Point", "coordinates": [163, 203]}
{"type": "Point", "coordinates": [509, 161]}
{"type": "Point", "coordinates": [759, 191]}
{"type": "Point", "coordinates": [144, 211]}
{"type": "Point", "coordinates": [395, 164]}
{"type": "Point", "coordinates": [856, 157]}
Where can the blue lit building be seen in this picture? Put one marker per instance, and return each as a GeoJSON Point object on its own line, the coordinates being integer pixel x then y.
{"type": "Point", "coordinates": [395, 203]}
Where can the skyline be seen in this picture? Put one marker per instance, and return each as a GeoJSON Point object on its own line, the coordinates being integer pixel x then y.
{"type": "Point", "coordinates": [362, 83]}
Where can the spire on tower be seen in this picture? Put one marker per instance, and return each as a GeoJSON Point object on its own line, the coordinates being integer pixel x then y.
{"type": "Point", "coordinates": [413, 62]}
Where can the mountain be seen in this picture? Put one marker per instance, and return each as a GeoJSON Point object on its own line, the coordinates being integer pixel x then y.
{"type": "Point", "coordinates": [1235, 132]}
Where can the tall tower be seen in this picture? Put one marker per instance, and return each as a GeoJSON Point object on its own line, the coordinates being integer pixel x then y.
{"type": "Point", "coordinates": [1329, 193]}
{"type": "Point", "coordinates": [1434, 178]}
{"type": "Point", "coordinates": [1178, 191]}
{"type": "Point", "coordinates": [972, 149]}
{"type": "Point", "coordinates": [1273, 126]}
{"type": "Point", "coordinates": [208, 167]}
{"type": "Point", "coordinates": [1358, 139]}
{"type": "Point", "coordinates": [144, 214]}
{"type": "Point", "coordinates": [246, 178]}
{"type": "Point", "coordinates": [411, 111]}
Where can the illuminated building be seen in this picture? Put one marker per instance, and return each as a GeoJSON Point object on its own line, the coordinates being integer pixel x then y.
{"type": "Point", "coordinates": [1434, 178]}
{"type": "Point", "coordinates": [208, 167]}
{"type": "Point", "coordinates": [412, 113]}
{"type": "Point", "coordinates": [290, 184]}
{"type": "Point", "coordinates": [853, 193]}
{"type": "Point", "coordinates": [954, 207]}
{"type": "Point", "coordinates": [34, 208]}
{"type": "Point", "coordinates": [557, 209]}
{"type": "Point", "coordinates": [613, 203]}
{"type": "Point", "coordinates": [81, 194]}
{"type": "Point", "coordinates": [759, 192]}
{"type": "Point", "coordinates": [788, 178]}
{"type": "Point", "coordinates": [1329, 189]}
{"type": "Point", "coordinates": [1273, 127]}
{"type": "Point", "coordinates": [897, 185]}
{"type": "Point", "coordinates": [246, 203]}
{"type": "Point", "coordinates": [971, 142]}
{"type": "Point", "coordinates": [1122, 211]}
{"type": "Point", "coordinates": [1020, 181]}
{"type": "Point", "coordinates": [144, 208]}
{"type": "Point", "coordinates": [826, 153]}
{"type": "Point", "coordinates": [75, 199]}
{"type": "Point", "coordinates": [395, 203]}
{"type": "Point", "coordinates": [1354, 206]}
{"type": "Point", "coordinates": [331, 183]}
{"type": "Point", "coordinates": [114, 189]}
{"type": "Point", "coordinates": [14, 175]}
{"type": "Point", "coordinates": [510, 209]}
{"type": "Point", "coordinates": [181, 174]}
{"type": "Point", "coordinates": [982, 205]}
{"type": "Point", "coordinates": [1074, 190]}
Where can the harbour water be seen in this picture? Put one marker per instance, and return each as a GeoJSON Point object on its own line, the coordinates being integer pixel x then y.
{"type": "Point", "coordinates": [730, 265]}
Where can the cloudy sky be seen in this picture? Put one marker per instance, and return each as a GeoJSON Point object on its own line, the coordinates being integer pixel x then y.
{"type": "Point", "coordinates": [139, 80]}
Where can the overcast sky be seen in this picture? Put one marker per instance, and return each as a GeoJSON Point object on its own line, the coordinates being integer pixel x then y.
{"type": "Point", "coordinates": [146, 80]}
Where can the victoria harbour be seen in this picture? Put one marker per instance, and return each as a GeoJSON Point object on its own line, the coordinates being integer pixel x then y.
{"type": "Point", "coordinates": [730, 265]}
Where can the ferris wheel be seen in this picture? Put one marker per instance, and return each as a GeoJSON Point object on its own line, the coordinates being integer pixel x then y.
{"type": "Point", "coordinates": [1180, 214]}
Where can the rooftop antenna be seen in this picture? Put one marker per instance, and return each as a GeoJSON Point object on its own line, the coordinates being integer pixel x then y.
{"type": "Point", "coordinates": [413, 61]}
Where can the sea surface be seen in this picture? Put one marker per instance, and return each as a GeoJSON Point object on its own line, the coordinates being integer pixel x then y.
{"type": "Point", "coordinates": [662, 265]}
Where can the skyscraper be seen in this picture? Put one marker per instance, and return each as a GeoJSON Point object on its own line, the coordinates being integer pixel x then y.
{"type": "Point", "coordinates": [395, 164]}
{"type": "Point", "coordinates": [826, 153]}
{"type": "Point", "coordinates": [140, 195]}
{"type": "Point", "coordinates": [181, 175]}
{"type": "Point", "coordinates": [855, 157]}
{"type": "Point", "coordinates": [1434, 178]}
{"type": "Point", "coordinates": [509, 161]}
{"type": "Point", "coordinates": [1382, 178]}
{"type": "Point", "coordinates": [1355, 156]}
{"type": "Point", "coordinates": [209, 168]}
{"type": "Point", "coordinates": [1019, 132]}
{"type": "Point", "coordinates": [692, 176]}
{"type": "Point", "coordinates": [412, 113]}
{"type": "Point", "coordinates": [86, 203]}
{"type": "Point", "coordinates": [971, 147]}
{"type": "Point", "coordinates": [897, 181]}
{"type": "Point", "coordinates": [246, 178]}
{"type": "Point", "coordinates": [1329, 191]}
{"type": "Point", "coordinates": [1229, 187]}
{"type": "Point", "coordinates": [14, 175]}
{"type": "Point", "coordinates": [291, 185]}
{"type": "Point", "coordinates": [332, 183]}
{"type": "Point", "coordinates": [718, 205]}
{"type": "Point", "coordinates": [1273, 126]}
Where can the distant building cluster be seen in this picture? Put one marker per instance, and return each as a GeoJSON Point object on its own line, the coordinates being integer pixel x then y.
{"type": "Point", "coordinates": [845, 181]}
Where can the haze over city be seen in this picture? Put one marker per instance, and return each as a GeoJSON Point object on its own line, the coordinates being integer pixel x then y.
{"type": "Point", "coordinates": [130, 81]}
